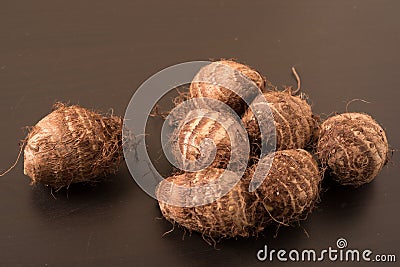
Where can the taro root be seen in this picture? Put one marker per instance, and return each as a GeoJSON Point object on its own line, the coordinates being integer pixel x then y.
{"type": "Point", "coordinates": [295, 124]}
{"type": "Point", "coordinates": [217, 74]}
{"type": "Point", "coordinates": [288, 192]}
{"type": "Point", "coordinates": [234, 214]}
{"type": "Point", "coordinates": [353, 147]}
{"type": "Point", "coordinates": [196, 139]}
{"type": "Point", "coordinates": [291, 187]}
{"type": "Point", "coordinates": [195, 132]}
{"type": "Point", "coordinates": [71, 145]}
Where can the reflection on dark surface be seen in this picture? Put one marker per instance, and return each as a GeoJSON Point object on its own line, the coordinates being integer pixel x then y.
{"type": "Point", "coordinates": [81, 199]}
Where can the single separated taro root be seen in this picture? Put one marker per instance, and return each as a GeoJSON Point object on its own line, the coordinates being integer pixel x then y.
{"type": "Point", "coordinates": [232, 215]}
{"type": "Point", "coordinates": [217, 71]}
{"type": "Point", "coordinates": [295, 124]}
{"type": "Point", "coordinates": [354, 148]}
{"type": "Point", "coordinates": [71, 145]}
{"type": "Point", "coordinates": [291, 188]}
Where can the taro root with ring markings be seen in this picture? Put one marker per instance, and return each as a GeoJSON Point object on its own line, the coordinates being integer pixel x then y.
{"type": "Point", "coordinates": [72, 145]}
{"type": "Point", "coordinates": [290, 190]}
{"type": "Point", "coordinates": [295, 123]}
{"type": "Point", "coordinates": [234, 214]}
{"type": "Point", "coordinates": [287, 194]}
{"type": "Point", "coordinates": [194, 142]}
{"type": "Point", "coordinates": [354, 148]}
{"type": "Point", "coordinates": [221, 71]}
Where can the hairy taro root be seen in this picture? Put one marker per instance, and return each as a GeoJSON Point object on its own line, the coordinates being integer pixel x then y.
{"type": "Point", "coordinates": [218, 73]}
{"type": "Point", "coordinates": [354, 148]}
{"type": "Point", "coordinates": [291, 187]}
{"type": "Point", "coordinates": [232, 215]}
{"type": "Point", "coordinates": [295, 124]}
{"type": "Point", "coordinates": [71, 145]}
{"type": "Point", "coordinates": [288, 193]}
{"type": "Point", "coordinates": [194, 132]}
{"type": "Point", "coordinates": [196, 138]}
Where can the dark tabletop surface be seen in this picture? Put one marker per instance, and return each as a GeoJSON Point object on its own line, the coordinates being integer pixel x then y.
{"type": "Point", "coordinates": [96, 53]}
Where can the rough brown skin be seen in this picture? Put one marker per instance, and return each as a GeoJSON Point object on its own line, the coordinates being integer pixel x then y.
{"type": "Point", "coordinates": [291, 188]}
{"type": "Point", "coordinates": [194, 132]}
{"type": "Point", "coordinates": [72, 145]}
{"type": "Point", "coordinates": [295, 124]}
{"type": "Point", "coordinates": [287, 194]}
{"type": "Point", "coordinates": [353, 147]}
{"type": "Point", "coordinates": [201, 89]}
{"type": "Point", "coordinates": [232, 215]}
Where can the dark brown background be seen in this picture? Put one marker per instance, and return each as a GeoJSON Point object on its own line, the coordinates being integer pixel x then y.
{"type": "Point", "coordinates": [96, 53]}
